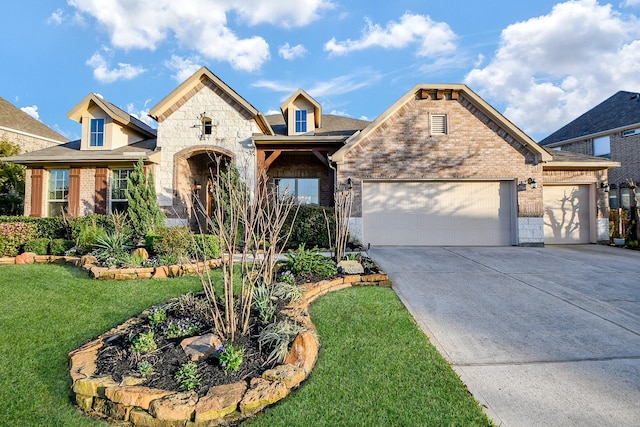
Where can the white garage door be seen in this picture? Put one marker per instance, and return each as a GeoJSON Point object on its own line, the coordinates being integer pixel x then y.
{"type": "Point", "coordinates": [437, 213]}
{"type": "Point", "coordinates": [567, 218]}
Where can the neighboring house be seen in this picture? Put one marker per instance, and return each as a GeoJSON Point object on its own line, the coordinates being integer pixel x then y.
{"type": "Point", "coordinates": [610, 130]}
{"type": "Point", "coordinates": [439, 167]}
{"type": "Point", "coordinates": [27, 133]}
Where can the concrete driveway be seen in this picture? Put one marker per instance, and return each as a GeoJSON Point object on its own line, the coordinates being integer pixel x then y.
{"type": "Point", "coordinates": [540, 336]}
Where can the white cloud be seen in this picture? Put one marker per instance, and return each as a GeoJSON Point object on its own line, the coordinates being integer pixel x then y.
{"type": "Point", "coordinates": [200, 25]}
{"type": "Point", "coordinates": [56, 17]}
{"type": "Point", "coordinates": [142, 114]}
{"type": "Point", "coordinates": [275, 86]}
{"type": "Point", "coordinates": [32, 110]}
{"type": "Point", "coordinates": [344, 84]}
{"type": "Point", "coordinates": [631, 3]}
{"type": "Point", "coordinates": [289, 52]}
{"type": "Point", "coordinates": [104, 74]}
{"type": "Point", "coordinates": [432, 37]}
{"type": "Point", "coordinates": [183, 67]}
{"type": "Point", "coordinates": [550, 69]}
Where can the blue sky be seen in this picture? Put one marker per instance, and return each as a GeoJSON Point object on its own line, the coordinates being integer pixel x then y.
{"type": "Point", "coordinates": [540, 63]}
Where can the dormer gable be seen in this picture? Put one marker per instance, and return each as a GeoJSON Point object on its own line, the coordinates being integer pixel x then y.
{"type": "Point", "coordinates": [107, 127]}
{"type": "Point", "coordinates": [302, 114]}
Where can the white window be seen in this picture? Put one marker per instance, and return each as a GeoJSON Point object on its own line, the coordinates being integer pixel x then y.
{"type": "Point", "coordinates": [301, 121]}
{"type": "Point", "coordinates": [438, 124]}
{"type": "Point", "coordinates": [207, 126]}
{"type": "Point", "coordinates": [96, 138]}
{"type": "Point", "coordinates": [602, 147]}
{"type": "Point", "coordinates": [58, 191]}
{"type": "Point", "coordinates": [304, 190]}
{"type": "Point", "coordinates": [631, 132]}
{"type": "Point", "coordinates": [119, 178]}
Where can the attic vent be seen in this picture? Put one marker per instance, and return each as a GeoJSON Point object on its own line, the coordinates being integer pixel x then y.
{"type": "Point", "coordinates": [438, 124]}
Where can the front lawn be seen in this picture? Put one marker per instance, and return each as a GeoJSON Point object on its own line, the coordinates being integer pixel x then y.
{"type": "Point", "coordinates": [375, 368]}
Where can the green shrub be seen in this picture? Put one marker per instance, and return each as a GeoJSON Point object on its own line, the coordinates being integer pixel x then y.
{"type": "Point", "coordinates": [309, 261]}
{"type": "Point", "coordinates": [13, 235]}
{"type": "Point", "coordinates": [145, 369]}
{"type": "Point", "coordinates": [207, 246]}
{"type": "Point", "coordinates": [38, 246]}
{"type": "Point", "coordinates": [113, 245]}
{"type": "Point", "coordinates": [88, 236]}
{"type": "Point", "coordinates": [230, 357]}
{"type": "Point", "coordinates": [78, 225]}
{"type": "Point", "coordinates": [60, 246]}
{"type": "Point", "coordinates": [310, 227]}
{"type": "Point", "coordinates": [174, 241]}
{"type": "Point", "coordinates": [150, 242]}
{"type": "Point", "coordinates": [51, 228]}
{"type": "Point", "coordinates": [263, 303]}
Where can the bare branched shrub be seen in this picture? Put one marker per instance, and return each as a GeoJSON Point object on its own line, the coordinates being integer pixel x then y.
{"type": "Point", "coordinates": [343, 200]}
{"type": "Point", "coordinates": [248, 220]}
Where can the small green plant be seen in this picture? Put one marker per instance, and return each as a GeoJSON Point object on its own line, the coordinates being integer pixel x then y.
{"type": "Point", "coordinates": [287, 277]}
{"type": "Point", "coordinates": [88, 236]}
{"type": "Point", "coordinates": [113, 245]}
{"type": "Point", "coordinates": [145, 343]}
{"type": "Point", "coordinates": [262, 300]}
{"type": "Point", "coordinates": [188, 376]}
{"type": "Point", "coordinates": [157, 316]}
{"type": "Point", "coordinates": [310, 261]}
{"type": "Point", "coordinates": [287, 291]}
{"type": "Point", "coordinates": [278, 336]}
{"type": "Point", "coordinates": [145, 369]}
{"type": "Point", "coordinates": [230, 357]}
{"type": "Point", "coordinates": [182, 327]}
{"type": "Point", "coordinates": [207, 246]}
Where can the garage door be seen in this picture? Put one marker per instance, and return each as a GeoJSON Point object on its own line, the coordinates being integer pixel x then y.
{"type": "Point", "coordinates": [567, 218]}
{"type": "Point", "coordinates": [437, 213]}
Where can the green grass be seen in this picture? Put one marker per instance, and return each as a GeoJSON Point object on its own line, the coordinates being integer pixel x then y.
{"type": "Point", "coordinates": [47, 311]}
{"type": "Point", "coordinates": [376, 368]}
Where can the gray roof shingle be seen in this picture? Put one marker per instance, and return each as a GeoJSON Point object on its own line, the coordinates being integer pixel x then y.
{"type": "Point", "coordinates": [11, 117]}
{"type": "Point", "coordinates": [332, 125]}
{"type": "Point", "coordinates": [618, 111]}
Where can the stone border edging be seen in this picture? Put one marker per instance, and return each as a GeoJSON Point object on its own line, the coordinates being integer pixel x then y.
{"type": "Point", "coordinates": [142, 406]}
{"type": "Point", "coordinates": [87, 263]}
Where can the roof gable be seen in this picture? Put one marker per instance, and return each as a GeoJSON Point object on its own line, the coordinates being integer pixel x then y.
{"type": "Point", "coordinates": [438, 90]}
{"type": "Point", "coordinates": [289, 102]}
{"type": "Point", "coordinates": [14, 119]}
{"type": "Point", "coordinates": [188, 88]}
{"type": "Point", "coordinates": [617, 112]}
{"type": "Point", "coordinates": [117, 114]}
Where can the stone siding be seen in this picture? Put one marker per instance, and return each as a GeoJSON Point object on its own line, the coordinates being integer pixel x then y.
{"type": "Point", "coordinates": [531, 231]}
{"type": "Point", "coordinates": [180, 130]}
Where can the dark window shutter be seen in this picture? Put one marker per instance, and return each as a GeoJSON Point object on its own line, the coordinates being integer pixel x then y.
{"type": "Point", "coordinates": [102, 185]}
{"type": "Point", "coordinates": [74, 192]}
{"type": "Point", "coordinates": [36, 192]}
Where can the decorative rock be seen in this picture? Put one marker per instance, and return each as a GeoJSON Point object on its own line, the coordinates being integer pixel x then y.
{"type": "Point", "coordinates": [179, 406]}
{"type": "Point", "coordinates": [220, 401]}
{"type": "Point", "coordinates": [199, 347]}
{"type": "Point", "coordinates": [94, 386]}
{"type": "Point", "coordinates": [84, 402]}
{"type": "Point", "coordinates": [115, 411]}
{"type": "Point", "coordinates": [135, 395]}
{"type": "Point", "coordinates": [87, 260]}
{"type": "Point", "coordinates": [290, 375]}
{"type": "Point", "coordinates": [261, 394]}
{"type": "Point", "coordinates": [7, 260]}
{"type": "Point", "coordinates": [351, 267]}
{"type": "Point", "coordinates": [140, 253]}
{"type": "Point", "coordinates": [161, 272]}
{"type": "Point", "coordinates": [140, 418]}
{"type": "Point", "coordinates": [26, 258]}
{"type": "Point", "coordinates": [304, 352]}
{"type": "Point", "coordinates": [83, 360]}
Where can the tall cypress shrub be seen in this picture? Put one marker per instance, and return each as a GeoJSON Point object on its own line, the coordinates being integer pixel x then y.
{"type": "Point", "coordinates": [143, 209]}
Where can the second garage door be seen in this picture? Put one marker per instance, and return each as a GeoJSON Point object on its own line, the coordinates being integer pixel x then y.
{"type": "Point", "coordinates": [567, 218]}
{"type": "Point", "coordinates": [437, 213]}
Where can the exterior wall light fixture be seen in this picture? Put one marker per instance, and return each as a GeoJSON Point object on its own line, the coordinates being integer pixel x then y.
{"type": "Point", "coordinates": [532, 182]}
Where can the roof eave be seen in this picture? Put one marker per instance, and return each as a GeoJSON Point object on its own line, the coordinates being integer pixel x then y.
{"type": "Point", "coordinates": [575, 165]}
{"type": "Point", "coordinates": [593, 135]}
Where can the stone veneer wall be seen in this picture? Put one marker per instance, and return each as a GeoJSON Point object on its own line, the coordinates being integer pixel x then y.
{"type": "Point", "coordinates": [232, 133]}
{"type": "Point", "coordinates": [129, 401]}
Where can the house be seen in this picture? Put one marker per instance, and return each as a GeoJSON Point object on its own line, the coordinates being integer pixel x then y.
{"type": "Point", "coordinates": [610, 130]}
{"type": "Point", "coordinates": [443, 167]}
{"type": "Point", "coordinates": [26, 132]}
{"type": "Point", "coordinates": [203, 125]}
{"type": "Point", "coordinates": [439, 167]}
